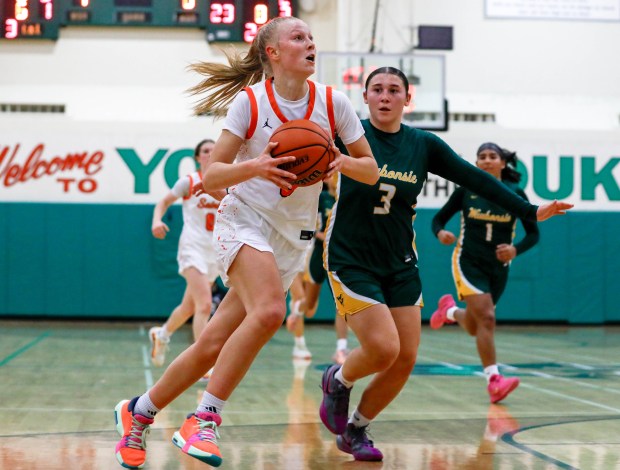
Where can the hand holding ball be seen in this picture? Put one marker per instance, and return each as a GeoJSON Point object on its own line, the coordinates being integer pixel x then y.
{"type": "Point", "coordinates": [310, 144]}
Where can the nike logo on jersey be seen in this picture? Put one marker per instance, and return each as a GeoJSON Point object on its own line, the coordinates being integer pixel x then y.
{"type": "Point", "coordinates": [267, 124]}
{"type": "Point", "coordinates": [340, 299]}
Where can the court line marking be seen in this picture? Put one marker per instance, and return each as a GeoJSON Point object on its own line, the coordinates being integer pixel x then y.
{"type": "Point", "coordinates": [509, 439]}
{"type": "Point", "coordinates": [146, 362]}
{"type": "Point", "coordinates": [551, 392]}
{"type": "Point", "coordinates": [24, 348]}
{"type": "Point", "coordinates": [537, 373]}
{"type": "Point", "coordinates": [518, 349]}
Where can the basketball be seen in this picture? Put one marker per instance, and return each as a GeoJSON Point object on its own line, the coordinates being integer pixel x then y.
{"type": "Point", "coordinates": [310, 144]}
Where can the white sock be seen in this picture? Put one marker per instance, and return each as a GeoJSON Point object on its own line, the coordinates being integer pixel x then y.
{"type": "Point", "coordinates": [338, 376]}
{"type": "Point", "coordinates": [341, 344]}
{"type": "Point", "coordinates": [210, 404]}
{"type": "Point", "coordinates": [295, 309]}
{"type": "Point", "coordinates": [300, 341]}
{"type": "Point", "coordinates": [163, 333]}
{"type": "Point", "coordinates": [450, 313]}
{"type": "Point", "coordinates": [144, 406]}
{"type": "Point", "coordinates": [358, 419]}
{"type": "Point", "coordinates": [490, 371]}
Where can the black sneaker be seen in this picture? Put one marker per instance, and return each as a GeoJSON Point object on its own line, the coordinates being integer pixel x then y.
{"type": "Point", "coordinates": [334, 409]}
{"type": "Point", "coordinates": [355, 441]}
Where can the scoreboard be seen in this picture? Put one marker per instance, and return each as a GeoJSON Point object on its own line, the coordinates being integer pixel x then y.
{"type": "Point", "coordinates": [223, 20]}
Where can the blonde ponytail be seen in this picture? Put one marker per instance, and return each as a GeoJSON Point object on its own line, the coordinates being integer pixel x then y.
{"type": "Point", "coordinates": [224, 82]}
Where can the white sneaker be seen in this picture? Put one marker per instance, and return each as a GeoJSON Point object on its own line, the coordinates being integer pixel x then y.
{"type": "Point", "coordinates": [159, 346]}
{"type": "Point", "coordinates": [301, 352]}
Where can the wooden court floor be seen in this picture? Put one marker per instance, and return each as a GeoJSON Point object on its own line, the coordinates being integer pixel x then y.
{"type": "Point", "coordinates": [59, 382]}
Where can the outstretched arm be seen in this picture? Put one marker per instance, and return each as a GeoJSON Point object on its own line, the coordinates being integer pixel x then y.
{"type": "Point", "coordinates": [158, 228]}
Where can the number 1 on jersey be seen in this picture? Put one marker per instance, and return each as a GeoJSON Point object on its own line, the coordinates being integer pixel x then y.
{"type": "Point", "coordinates": [489, 236]}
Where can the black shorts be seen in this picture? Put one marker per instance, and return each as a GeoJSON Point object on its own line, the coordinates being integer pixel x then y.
{"type": "Point", "coordinates": [474, 277]}
{"type": "Point", "coordinates": [355, 289]}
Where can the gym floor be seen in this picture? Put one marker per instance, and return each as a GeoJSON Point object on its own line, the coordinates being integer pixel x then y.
{"type": "Point", "coordinates": [60, 381]}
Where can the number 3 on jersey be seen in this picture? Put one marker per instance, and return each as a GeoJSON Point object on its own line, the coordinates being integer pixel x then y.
{"type": "Point", "coordinates": [386, 199]}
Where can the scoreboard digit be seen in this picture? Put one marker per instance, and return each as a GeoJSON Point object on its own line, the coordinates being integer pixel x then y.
{"type": "Point", "coordinates": [239, 20]}
{"type": "Point", "coordinates": [35, 19]}
{"type": "Point", "coordinates": [224, 20]}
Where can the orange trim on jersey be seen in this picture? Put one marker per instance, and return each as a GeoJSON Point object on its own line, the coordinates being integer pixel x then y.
{"type": "Point", "coordinates": [330, 112]}
{"type": "Point", "coordinates": [276, 108]}
{"type": "Point", "coordinates": [311, 99]}
{"type": "Point", "coordinates": [191, 185]}
{"type": "Point", "coordinates": [253, 113]}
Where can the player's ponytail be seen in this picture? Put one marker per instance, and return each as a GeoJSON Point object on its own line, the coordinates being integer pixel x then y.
{"type": "Point", "coordinates": [224, 81]}
{"type": "Point", "coordinates": [510, 173]}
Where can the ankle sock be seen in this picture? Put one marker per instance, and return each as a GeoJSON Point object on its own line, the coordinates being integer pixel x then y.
{"type": "Point", "coordinates": [210, 404]}
{"type": "Point", "coordinates": [338, 376]}
{"type": "Point", "coordinates": [450, 313]}
{"type": "Point", "coordinates": [491, 371]}
{"type": "Point", "coordinates": [145, 407]}
{"type": "Point", "coordinates": [358, 419]}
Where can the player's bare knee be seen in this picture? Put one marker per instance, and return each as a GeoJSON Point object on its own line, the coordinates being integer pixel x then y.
{"type": "Point", "coordinates": [384, 355]}
{"type": "Point", "coordinates": [203, 310]}
{"type": "Point", "coordinates": [487, 320]}
{"type": "Point", "coordinates": [269, 320]}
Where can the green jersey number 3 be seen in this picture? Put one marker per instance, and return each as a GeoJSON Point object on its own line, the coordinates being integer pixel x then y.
{"type": "Point", "coordinates": [386, 199]}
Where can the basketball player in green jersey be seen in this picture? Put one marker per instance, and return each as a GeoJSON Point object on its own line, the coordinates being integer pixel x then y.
{"type": "Point", "coordinates": [372, 261]}
{"type": "Point", "coordinates": [481, 260]}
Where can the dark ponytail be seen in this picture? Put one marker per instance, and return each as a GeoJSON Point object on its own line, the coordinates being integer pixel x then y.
{"type": "Point", "coordinates": [510, 173]}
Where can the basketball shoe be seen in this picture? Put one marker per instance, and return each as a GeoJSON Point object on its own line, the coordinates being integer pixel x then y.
{"type": "Point", "coordinates": [499, 387]}
{"type": "Point", "coordinates": [334, 411]}
{"type": "Point", "coordinates": [198, 438]}
{"type": "Point", "coordinates": [159, 346]}
{"type": "Point", "coordinates": [440, 317]}
{"type": "Point", "coordinates": [133, 428]}
{"type": "Point", "coordinates": [301, 352]}
{"type": "Point", "coordinates": [355, 441]}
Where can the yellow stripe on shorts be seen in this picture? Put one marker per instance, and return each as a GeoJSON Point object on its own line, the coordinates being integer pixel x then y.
{"type": "Point", "coordinates": [347, 301]}
{"type": "Point", "coordinates": [463, 286]}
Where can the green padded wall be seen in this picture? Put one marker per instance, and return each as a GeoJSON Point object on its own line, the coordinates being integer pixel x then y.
{"type": "Point", "coordinates": [100, 260]}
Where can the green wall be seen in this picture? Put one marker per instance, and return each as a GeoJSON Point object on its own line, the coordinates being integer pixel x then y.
{"type": "Point", "coordinates": [100, 260]}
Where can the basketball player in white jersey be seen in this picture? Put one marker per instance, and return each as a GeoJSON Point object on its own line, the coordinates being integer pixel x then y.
{"type": "Point", "coordinates": [196, 255]}
{"type": "Point", "coordinates": [263, 225]}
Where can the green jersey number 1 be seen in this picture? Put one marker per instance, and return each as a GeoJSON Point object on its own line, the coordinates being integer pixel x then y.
{"type": "Point", "coordinates": [386, 199]}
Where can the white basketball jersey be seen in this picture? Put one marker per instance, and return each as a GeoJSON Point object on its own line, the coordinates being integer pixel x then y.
{"type": "Point", "coordinates": [293, 215]}
{"type": "Point", "coordinates": [198, 215]}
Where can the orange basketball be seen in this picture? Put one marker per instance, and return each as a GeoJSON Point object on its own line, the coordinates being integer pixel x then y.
{"type": "Point", "coordinates": [310, 143]}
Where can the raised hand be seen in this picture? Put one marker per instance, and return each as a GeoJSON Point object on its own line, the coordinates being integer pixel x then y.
{"type": "Point", "coordinates": [266, 167]}
{"type": "Point", "coordinates": [546, 211]}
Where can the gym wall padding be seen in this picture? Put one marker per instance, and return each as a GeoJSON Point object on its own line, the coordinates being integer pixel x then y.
{"type": "Point", "coordinates": [101, 261]}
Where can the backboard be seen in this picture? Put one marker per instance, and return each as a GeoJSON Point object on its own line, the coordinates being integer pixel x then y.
{"type": "Point", "coordinates": [347, 72]}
